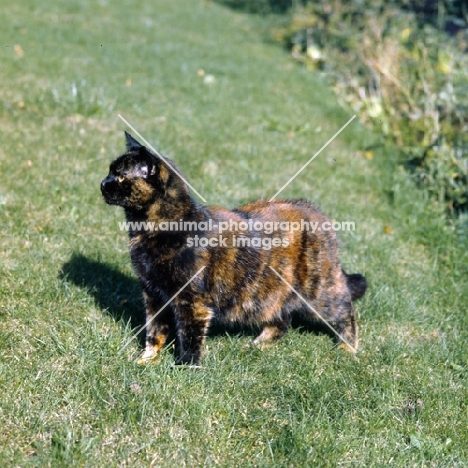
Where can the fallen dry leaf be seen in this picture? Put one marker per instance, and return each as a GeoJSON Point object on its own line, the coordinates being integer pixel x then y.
{"type": "Point", "coordinates": [135, 388]}
{"type": "Point", "coordinates": [18, 50]}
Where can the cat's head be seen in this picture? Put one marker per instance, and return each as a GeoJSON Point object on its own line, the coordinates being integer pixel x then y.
{"type": "Point", "coordinates": [139, 178]}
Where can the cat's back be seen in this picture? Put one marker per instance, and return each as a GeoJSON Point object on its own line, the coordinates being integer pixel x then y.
{"type": "Point", "coordinates": [282, 210]}
{"type": "Point", "coordinates": [308, 232]}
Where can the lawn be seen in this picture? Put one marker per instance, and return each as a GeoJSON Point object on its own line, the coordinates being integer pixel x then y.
{"type": "Point", "coordinates": [206, 87]}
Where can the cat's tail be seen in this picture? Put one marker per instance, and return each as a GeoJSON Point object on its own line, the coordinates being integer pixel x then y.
{"type": "Point", "coordinates": [357, 285]}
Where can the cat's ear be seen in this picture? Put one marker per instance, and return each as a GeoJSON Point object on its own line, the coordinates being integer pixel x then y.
{"type": "Point", "coordinates": [131, 142]}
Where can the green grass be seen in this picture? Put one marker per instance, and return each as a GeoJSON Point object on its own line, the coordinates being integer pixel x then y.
{"type": "Point", "coordinates": [67, 293]}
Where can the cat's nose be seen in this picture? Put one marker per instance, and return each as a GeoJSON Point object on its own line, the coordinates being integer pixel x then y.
{"type": "Point", "coordinates": [104, 183]}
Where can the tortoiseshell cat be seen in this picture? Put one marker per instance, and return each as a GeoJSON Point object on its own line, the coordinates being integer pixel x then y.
{"type": "Point", "coordinates": [238, 283]}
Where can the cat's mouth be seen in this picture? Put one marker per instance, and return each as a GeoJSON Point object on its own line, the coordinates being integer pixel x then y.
{"type": "Point", "coordinates": [111, 200]}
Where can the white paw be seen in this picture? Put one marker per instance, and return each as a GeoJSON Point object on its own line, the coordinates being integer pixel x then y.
{"type": "Point", "coordinates": [147, 356]}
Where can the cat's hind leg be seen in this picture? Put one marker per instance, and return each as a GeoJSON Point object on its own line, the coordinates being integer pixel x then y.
{"type": "Point", "coordinates": [273, 330]}
{"type": "Point", "coordinates": [334, 307]}
{"type": "Point", "coordinates": [342, 314]}
{"type": "Point", "coordinates": [346, 327]}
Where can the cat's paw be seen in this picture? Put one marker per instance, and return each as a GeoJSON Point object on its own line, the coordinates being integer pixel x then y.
{"type": "Point", "coordinates": [346, 347]}
{"type": "Point", "coordinates": [261, 344]}
{"type": "Point", "coordinates": [148, 356]}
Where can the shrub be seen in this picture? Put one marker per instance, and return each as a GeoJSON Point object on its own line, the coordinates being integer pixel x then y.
{"type": "Point", "coordinates": [260, 6]}
{"type": "Point", "coordinates": [408, 80]}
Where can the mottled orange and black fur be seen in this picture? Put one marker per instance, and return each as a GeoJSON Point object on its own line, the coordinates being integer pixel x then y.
{"type": "Point", "coordinates": [237, 284]}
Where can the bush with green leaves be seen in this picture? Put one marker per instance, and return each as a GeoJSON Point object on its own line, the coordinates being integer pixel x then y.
{"type": "Point", "coordinates": [260, 6]}
{"type": "Point", "coordinates": [408, 80]}
{"type": "Point", "coordinates": [392, 66]}
{"type": "Point", "coordinates": [426, 10]}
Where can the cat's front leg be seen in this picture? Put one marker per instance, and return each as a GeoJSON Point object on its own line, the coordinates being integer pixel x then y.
{"type": "Point", "coordinates": [158, 326]}
{"type": "Point", "coordinates": [192, 321]}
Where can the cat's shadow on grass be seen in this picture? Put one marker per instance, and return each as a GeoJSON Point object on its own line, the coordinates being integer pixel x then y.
{"type": "Point", "coordinates": [119, 295]}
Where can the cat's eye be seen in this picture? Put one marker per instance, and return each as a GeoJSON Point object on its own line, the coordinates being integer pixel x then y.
{"type": "Point", "coordinates": [120, 178]}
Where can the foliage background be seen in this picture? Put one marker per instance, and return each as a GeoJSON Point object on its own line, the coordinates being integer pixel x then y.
{"type": "Point", "coordinates": [402, 66]}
